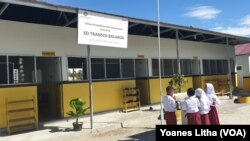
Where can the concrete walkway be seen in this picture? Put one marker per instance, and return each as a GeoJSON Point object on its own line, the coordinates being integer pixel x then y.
{"type": "Point", "coordinates": [102, 123]}
{"type": "Point", "coordinates": [137, 125]}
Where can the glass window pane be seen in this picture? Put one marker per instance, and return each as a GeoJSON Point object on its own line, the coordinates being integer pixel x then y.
{"type": "Point", "coordinates": [155, 67]}
{"type": "Point", "coordinates": [213, 67]}
{"type": "Point", "coordinates": [206, 69]}
{"type": "Point", "coordinates": [21, 69]}
{"type": "Point", "coordinates": [175, 63]}
{"type": "Point", "coordinates": [127, 68]}
{"type": "Point", "coordinates": [219, 66]}
{"type": "Point", "coordinates": [168, 67]}
{"type": "Point", "coordinates": [97, 60]}
{"type": "Point", "coordinates": [3, 70]}
{"type": "Point", "coordinates": [77, 68]}
{"type": "Point", "coordinates": [113, 68]}
{"type": "Point", "coordinates": [186, 65]}
{"type": "Point", "coordinates": [97, 65]}
{"type": "Point", "coordinates": [225, 66]}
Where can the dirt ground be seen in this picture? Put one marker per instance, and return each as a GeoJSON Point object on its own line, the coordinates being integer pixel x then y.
{"type": "Point", "coordinates": [229, 113]}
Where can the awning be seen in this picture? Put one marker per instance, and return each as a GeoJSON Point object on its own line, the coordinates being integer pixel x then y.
{"type": "Point", "coordinates": [32, 11]}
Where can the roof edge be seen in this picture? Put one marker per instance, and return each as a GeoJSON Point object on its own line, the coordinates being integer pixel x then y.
{"type": "Point", "coordinates": [50, 6]}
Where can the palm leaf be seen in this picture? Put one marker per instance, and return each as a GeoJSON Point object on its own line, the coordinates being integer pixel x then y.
{"type": "Point", "coordinates": [79, 107]}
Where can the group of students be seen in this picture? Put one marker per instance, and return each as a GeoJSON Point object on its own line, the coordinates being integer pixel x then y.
{"type": "Point", "coordinates": [200, 106]}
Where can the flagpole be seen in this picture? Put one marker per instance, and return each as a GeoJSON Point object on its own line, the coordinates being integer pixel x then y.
{"type": "Point", "coordinates": [90, 88]}
{"type": "Point", "coordinates": [159, 55]}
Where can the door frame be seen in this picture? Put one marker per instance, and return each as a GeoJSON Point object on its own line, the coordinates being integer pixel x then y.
{"type": "Point", "coordinates": [146, 59]}
{"type": "Point", "coordinates": [60, 60]}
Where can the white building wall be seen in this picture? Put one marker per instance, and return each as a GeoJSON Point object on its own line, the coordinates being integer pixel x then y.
{"type": "Point", "coordinates": [18, 38]}
{"type": "Point", "coordinates": [243, 60]}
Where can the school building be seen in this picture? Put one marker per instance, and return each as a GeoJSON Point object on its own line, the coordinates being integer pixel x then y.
{"type": "Point", "coordinates": [242, 53]}
{"type": "Point", "coordinates": [41, 62]}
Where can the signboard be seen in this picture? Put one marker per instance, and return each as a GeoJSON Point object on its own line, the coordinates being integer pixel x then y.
{"type": "Point", "coordinates": [141, 56]}
{"type": "Point", "coordinates": [102, 30]}
{"type": "Point", "coordinates": [195, 58]}
{"type": "Point", "coordinates": [48, 53]}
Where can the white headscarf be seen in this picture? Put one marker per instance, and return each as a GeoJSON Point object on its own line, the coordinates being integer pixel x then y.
{"type": "Point", "coordinates": [211, 95]}
{"type": "Point", "coordinates": [205, 103]}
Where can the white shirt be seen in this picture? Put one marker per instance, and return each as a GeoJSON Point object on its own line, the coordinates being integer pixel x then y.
{"type": "Point", "coordinates": [169, 104]}
{"type": "Point", "coordinates": [191, 105]}
{"type": "Point", "coordinates": [204, 101]}
{"type": "Point", "coordinates": [204, 107]}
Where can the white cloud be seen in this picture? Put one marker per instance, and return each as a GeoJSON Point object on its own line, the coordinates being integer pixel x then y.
{"type": "Point", "coordinates": [203, 12]}
{"type": "Point", "coordinates": [218, 28]}
{"type": "Point", "coordinates": [245, 20]}
{"type": "Point", "coordinates": [240, 30]}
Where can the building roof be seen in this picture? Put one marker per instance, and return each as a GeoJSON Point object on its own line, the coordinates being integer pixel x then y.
{"type": "Point", "coordinates": [242, 49]}
{"type": "Point", "coordinates": [33, 11]}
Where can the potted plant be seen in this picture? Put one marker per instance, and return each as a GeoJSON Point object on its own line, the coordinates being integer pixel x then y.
{"type": "Point", "coordinates": [178, 81]}
{"type": "Point", "coordinates": [79, 109]}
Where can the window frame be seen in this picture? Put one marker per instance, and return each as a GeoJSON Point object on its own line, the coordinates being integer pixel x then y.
{"type": "Point", "coordinates": [86, 62]}
{"type": "Point", "coordinates": [217, 69]}
{"type": "Point", "coordinates": [33, 56]}
{"type": "Point", "coordinates": [133, 59]}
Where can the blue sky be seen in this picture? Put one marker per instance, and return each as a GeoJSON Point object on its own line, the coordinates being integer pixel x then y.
{"type": "Point", "coordinates": [229, 16]}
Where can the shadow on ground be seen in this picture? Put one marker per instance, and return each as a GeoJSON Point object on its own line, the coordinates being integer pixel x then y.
{"type": "Point", "coordinates": [145, 136]}
{"type": "Point", "coordinates": [54, 129]}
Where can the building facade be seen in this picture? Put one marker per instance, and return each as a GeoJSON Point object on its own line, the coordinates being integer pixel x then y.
{"type": "Point", "coordinates": [40, 58]}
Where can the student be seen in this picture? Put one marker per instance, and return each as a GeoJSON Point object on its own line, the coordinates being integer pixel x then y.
{"type": "Point", "coordinates": [204, 106]}
{"type": "Point", "coordinates": [169, 104]}
{"type": "Point", "coordinates": [191, 106]}
{"type": "Point", "coordinates": [214, 101]}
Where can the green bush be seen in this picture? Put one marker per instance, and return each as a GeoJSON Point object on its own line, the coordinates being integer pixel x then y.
{"type": "Point", "coordinates": [178, 81]}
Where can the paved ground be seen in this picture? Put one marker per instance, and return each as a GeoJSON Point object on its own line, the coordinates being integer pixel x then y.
{"type": "Point", "coordinates": [138, 125]}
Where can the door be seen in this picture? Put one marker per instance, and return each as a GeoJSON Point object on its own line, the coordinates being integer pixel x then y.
{"type": "Point", "coordinates": [240, 76]}
{"type": "Point", "coordinates": [196, 67]}
{"type": "Point", "coordinates": [142, 81]}
{"type": "Point", "coordinates": [141, 68]}
{"type": "Point", "coordinates": [48, 74]}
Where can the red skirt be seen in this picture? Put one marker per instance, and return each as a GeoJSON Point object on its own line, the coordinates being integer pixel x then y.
{"type": "Point", "coordinates": [194, 118]}
{"type": "Point", "coordinates": [205, 119]}
{"type": "Point", "coordinates": [213, 116]}
{"type": "Point", "coordinates": [170, 118]}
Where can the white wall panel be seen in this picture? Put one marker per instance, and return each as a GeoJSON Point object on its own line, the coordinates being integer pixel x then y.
{"type": "Point", "coordinates": [32, 39]}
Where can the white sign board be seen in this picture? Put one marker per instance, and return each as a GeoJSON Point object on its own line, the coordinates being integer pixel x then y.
{"type": "Point", "coordinates": [102, 30]}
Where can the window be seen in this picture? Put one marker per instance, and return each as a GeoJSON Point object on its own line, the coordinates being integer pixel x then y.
{"type": "Point", "coordinates": [168, 67]}
{"type": "Point", "coordinates": [219, 66]}
{"type": "Point", "coordinates": [3, 70]}
{"type": "Point", "coordinates": [98, 70]}
{"type": "Point", "coordinates": [225, 66]}
{"type": "Point", "coordinates": [206, 67]}
{"type": "Point", "coordinates": [128, 68]}
{"type": "Point", "coordinates": [21, 69]}
{"type": "Point", "coordinates": [175, 64]}
{"type": "Point", "coordinates": [113, 68]}
{"type": "Point", "coordinates": [186, 66]}
{"type": "Point", "coordinates": [155, 67]}
{"type": "Point", "coordinates": [101, 68]}
{"type": "Point", "coordinates": [77, 68]}
{"type": "Point", "coordinates": [215, 66]}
